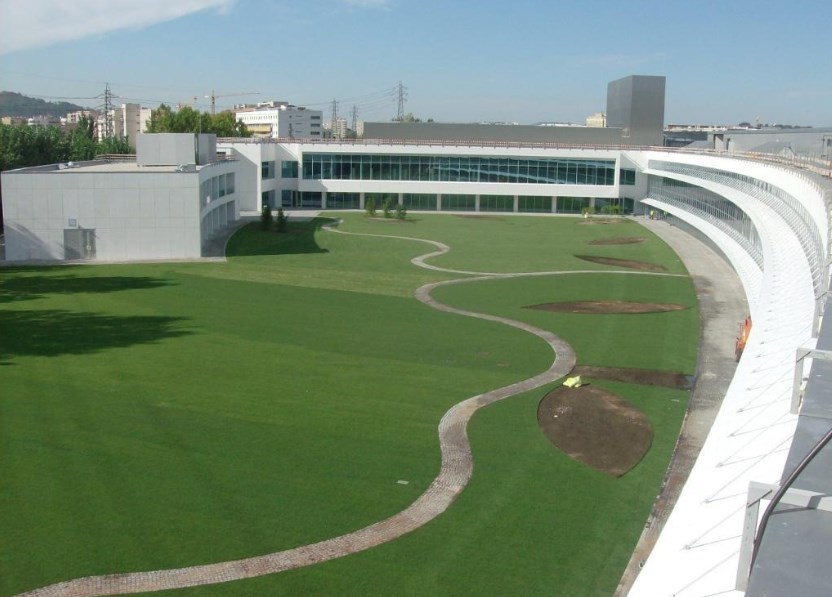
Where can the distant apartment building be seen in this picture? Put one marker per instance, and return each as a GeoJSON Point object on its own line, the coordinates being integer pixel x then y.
{"type": "Point", "coordinates": [597, 120]}
{"type": "Point", "coordinates": [128, 121]}
{"type": "Point", "coordinates": [336, 129]}
{"type": "Point", "coordinates": [43, 120]}
{"type": "Point", "coordinates": [72, 119]}
{"type": "Point", "coordinates": [280, 120]}
{"type": "Point", "coordinates": [13, 120]}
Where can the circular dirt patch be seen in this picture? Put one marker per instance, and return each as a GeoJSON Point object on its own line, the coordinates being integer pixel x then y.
{"type": "Point", "coordinates": [607, 307]}
{"type": "Point", "coordinates": [595, 427]}
{"type": "Point", "coordinates": [620, 240]}
{"type": "Point", "coordinates": [640, 265]}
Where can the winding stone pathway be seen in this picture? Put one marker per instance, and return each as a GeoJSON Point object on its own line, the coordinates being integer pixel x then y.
{"type": "Point", "coordinates": [455, 471]}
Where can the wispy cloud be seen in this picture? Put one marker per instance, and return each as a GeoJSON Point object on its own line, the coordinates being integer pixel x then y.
{"type": "Point", "coordinates": [38, 23]}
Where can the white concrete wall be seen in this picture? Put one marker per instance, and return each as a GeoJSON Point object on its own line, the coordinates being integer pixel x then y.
{"type": "Point", "coordinates": [135, 215]}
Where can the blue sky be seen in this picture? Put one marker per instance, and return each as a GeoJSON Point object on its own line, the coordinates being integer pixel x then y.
{"type": "Point", "coordinates": [522, 61]}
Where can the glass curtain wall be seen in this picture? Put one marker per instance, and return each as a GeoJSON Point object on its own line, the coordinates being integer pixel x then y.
{"type": "Point", "coordinates": [419, 201]}
{"type": "Point", "coordinates": [711, 207]}
{"type": "Point", "coordinates": [334, 166]}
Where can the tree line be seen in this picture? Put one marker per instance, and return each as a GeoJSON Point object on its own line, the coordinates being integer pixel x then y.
{"type": "Point", "coordinates": [187, 120]}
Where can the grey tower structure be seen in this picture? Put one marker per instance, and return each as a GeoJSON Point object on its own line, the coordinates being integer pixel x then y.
{"type": "Point", "coordinates": [636, 105]}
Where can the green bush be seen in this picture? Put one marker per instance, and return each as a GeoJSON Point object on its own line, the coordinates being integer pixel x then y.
{"type": "Point", "coordinates": [386, 208]}
{"type": "Point", "coordinates": [401, 211]}
{"type": "Point", "coordinates": [282, 220]}
{"type": "Point", "coordinates": [266, 217]}
{"type": "Point", "coordinates": [370, 207]}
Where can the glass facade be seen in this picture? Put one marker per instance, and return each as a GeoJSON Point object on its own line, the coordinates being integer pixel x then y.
{"type": "Point", "coordinates": [572, 205]}
{"type": "Point", "coordinates": [711, 207]}
{"type": "Point", "coordinates": [452, 202]}
{"type": "Point", "coordinates": [419, 201]}
{"type": "Point", "coordinates": [496, 203]}
{"type": "Point", "coordinates": [216, 187]}
{"type": "Point", "coordinates": [336, 166]}
{"type": "Point", "coordinates": [789, 207]}
{"type": "Point", "coordinates": [267, 199]}
{"type": "Point", "coordinates": [288, 169]}
{"type": "Point", "coordinates": [343, 200]}
{"type": "Point", "coordinates": [528, 203]}
{"type": "Point", "coordinates": [627, 176]}
{"type": "Point", "coordinates": [267, 170]}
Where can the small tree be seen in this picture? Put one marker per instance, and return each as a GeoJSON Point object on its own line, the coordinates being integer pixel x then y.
{"type": "Point", "coordinates": [266, 217]}
{"type": "Point", "coordinates": [386, 208]}
{"type": "Point", "coordinates": [280, 224]}
{"type": "Point", "coordinates": [401, 211]}
{"type": "Point", "coordinates": [370, 207]}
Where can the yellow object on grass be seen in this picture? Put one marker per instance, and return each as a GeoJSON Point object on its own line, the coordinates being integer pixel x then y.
{"type": "Point", "coordinates": [573, 382]}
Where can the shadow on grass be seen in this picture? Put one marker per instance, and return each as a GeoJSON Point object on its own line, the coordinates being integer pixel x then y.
{"type": "Point", "coordinates": [299, 238]}
{"type": "Point", "coordinates": [52, 332]}
{"type": "Point", "coordinates": [21, 288]}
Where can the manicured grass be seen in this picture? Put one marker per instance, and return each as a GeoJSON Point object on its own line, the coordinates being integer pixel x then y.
{"type": "Point", "coordinates": [155, 416]}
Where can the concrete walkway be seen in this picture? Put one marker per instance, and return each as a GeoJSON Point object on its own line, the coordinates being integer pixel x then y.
{"type": "Point", "coordinates": [722, 306]}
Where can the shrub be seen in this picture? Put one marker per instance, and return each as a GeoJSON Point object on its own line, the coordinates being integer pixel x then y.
{"type": "Point", "coordinates": [386, 208]}
{"type": "Point", "coordinates": [282, 220]}
{"type": "Point", "coordinates": [370, 207]}
{"type": "Point", "coordinates": [401, 211]}
{"type": "Point", "coordinates": [266, 217]}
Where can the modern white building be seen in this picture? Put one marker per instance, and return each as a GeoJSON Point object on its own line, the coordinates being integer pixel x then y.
{"type": "Point", "coordinates": [282, 120]}
{"type": "Point", "coordinates": [164, 205]}
{"type": "Point", "coordinates": [768, 217]}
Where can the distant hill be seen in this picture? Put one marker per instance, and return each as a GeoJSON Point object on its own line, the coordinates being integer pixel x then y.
{"type": "Point", "coordinates": [16, 104]}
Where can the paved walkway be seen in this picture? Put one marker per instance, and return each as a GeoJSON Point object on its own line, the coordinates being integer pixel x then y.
{"type": "Point", "coordinates": [455, 471]}
{"type": "Point", "coordinates": [722, 306]}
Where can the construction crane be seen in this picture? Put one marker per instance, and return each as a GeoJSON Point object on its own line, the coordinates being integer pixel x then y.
{"type": "Point", "coordinates": [214, 97]}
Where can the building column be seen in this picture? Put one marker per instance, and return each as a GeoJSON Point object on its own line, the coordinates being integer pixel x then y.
{"type": "Point", "coordinates": [592, 205]}
{"type": "Point", "coordinates": [554, 205]}
{"type": "Point", "coordinates": [361, 200]}
{"type": "Point", "coordinates": [401, 198]}
{"type": "Point", "coordinates": [323, 199]}
{"type": "Point", "coordinates": [476, 202]}
{"type": "Point", "coordinates": [438, 201]}
{"type": "Point", "coordinates": [516, 203]}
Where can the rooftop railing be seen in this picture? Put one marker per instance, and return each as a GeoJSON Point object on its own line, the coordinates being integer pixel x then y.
{"type": "Point", "coordinates": [816, 164]}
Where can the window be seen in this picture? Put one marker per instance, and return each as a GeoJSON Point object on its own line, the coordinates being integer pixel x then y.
{"type": "Point", "coordinates": [288, 169]}
{"type": "Point", "coordinates": [441, 168]}
{"type": "Point", "coordinates": [627, 176]}
{"type": "Point", "coordinates": [267, 170]}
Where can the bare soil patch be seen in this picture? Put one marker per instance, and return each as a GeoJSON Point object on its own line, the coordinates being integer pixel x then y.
{"type": "Point", "coordinates": [595, 427]}
{"type": "Point", "coordinates": [618, 240]}
{"type": "Point", "coordinates": [630, 263]}
{"type": "Point", "coordinates": [647, 377]}
{"type": "Point", "coordinates": [607, 307]}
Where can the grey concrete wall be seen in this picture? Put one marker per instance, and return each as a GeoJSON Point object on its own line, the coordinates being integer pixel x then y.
{"type": "Point", "coordinates": [166, 149]}
{"type": "Point", "coordinates": [636, 105]}
{"type": "Point", "coordinates": [135, 215]}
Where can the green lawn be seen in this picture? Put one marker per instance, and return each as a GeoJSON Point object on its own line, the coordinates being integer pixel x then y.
{"type": "Point", "coordinates": [164, 415]}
